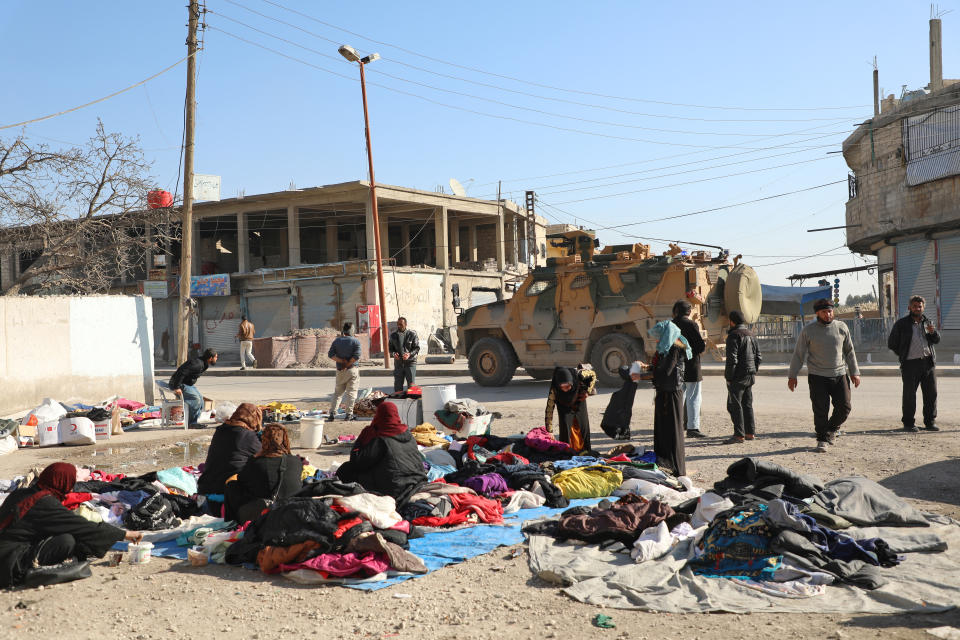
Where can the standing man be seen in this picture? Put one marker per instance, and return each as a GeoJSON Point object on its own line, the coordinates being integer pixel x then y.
{"type": "Point", "coordinates": [245, 335]}
{"type": "Point", "coordinates": [692, 375]}
{"type": "Point", "coordinates": [345, 351]}
{"type": "Point", "coordinates": [183, 382]}
{"type": "Point", "coordinates": [743, 362]}
{"type": "Point", "coordinates": [912, 339]}
{"type": "Point", "coordinates": [831, 365]}
{"type": "Point", "coordinates": [404, 347]}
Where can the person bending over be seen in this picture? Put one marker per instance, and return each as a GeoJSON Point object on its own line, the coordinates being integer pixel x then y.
{"type": "Point", "coordinates": [568, 393]}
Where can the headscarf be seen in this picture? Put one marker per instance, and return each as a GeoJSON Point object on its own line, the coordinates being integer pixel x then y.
{"type": "Point", "coordinates": [56, 480]}
{"type": "Point", "coordinates": [386, 422]}
{"type": "Point", "coordinates": [563, 375]}
{"type": "Point", "coordinates": [275, 441]}
{"type": "Point", "coordinates": [666, 334]}
{"type": "Point", "coordinates": [248, 416]}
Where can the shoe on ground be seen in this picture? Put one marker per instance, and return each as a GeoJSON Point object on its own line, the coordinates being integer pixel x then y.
{"type": "Point", "coordinates": [830, 438]}
{"type": "Point", "coordinates": [197, 425]}
{"type": "Point", "coordinates": [254, 364]}
{"type": "Point", "coordinates": [931, 427]}
{"type": "Point", "coordinates": [349, 417]}
{"type": "Point", "coordinates": [911, 428]}
{"type": "Point", "coordinates": [330, 418]}
{"type": "Point", "coordinates": [243, 368]}
{"type": "Point", "coordinates": [733, 440]}
{"type": "Point", "coordinates": [821, 446]}
{"type": "Point", "coordinates": [695, 433]}
{"type": "Point", "coordinates": [750, 436]}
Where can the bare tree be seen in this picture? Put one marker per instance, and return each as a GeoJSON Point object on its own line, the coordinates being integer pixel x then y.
{"type": "Point", "coordinates": [76, 218]}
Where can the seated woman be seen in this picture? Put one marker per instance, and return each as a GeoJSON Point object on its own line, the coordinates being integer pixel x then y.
{"type": "Point", "coordinates": [385, 458]}
{"type": "Point", "coordinates": [273, 473]}
{"type": "Point", "coordinates": [37, 531]}
{"type": "Point", "coordinates": [233, 443]}
{"type": "Point", "coordinates": [568, 393]}
{"type": "Point", "coordinates": [668, 366]}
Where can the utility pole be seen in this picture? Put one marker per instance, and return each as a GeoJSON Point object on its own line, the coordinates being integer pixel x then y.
{"type": "Point", "coordinates": [186, 243]}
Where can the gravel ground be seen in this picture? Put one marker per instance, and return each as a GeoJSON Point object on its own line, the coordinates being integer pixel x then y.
{"type": "Point", "coordinates": [494, 595]}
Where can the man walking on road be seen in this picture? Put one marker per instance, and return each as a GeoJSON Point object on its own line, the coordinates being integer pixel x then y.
{"type": "Point", "coordinates": [692, 375]}
{"type": "Point", "coordinates": [245, 335]}
{"type": "Point", "coordinates": [743, 362]}
{"type": "Point", "coordinates": [183, 383]}
{"type": "Point", "coordinates": [345, 351]}
{"type": "Point", "coordinates": [831, 366]}
{"type": "Point", "coordinates": [404, 347]}
{"type": "Point", "coordinates": [912, 339]}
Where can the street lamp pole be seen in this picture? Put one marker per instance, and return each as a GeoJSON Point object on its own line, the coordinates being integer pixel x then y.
{"type": "Point", "coordinates": [350, 54]}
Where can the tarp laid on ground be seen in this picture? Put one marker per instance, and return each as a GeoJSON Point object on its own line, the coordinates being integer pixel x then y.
{"type": "Point", "coordinates": [928, 582]}
{"type": "Point", "coordinates": [791, 301]}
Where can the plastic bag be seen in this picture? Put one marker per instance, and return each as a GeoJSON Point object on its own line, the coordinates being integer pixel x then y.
{"type": "Point", "coordinates": [46, 419]}
{"type": "Point", "coordinates": [225, 410]}
{"type": "Point", "coordinates": [8, 444]}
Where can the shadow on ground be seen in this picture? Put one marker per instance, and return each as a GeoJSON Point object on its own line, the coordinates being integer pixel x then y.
{"type": "Point", "coordinates": [935, 482]}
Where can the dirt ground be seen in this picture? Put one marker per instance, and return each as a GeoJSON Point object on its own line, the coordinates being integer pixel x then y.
{"type": "Point", "coordinates": [494, 595]}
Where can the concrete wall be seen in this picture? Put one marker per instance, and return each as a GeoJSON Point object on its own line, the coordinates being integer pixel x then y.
{"type": "Point", "coordinates": [74, 348]}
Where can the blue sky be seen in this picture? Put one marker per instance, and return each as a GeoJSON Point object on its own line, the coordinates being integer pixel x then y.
{"type": "Point", "coordinates": [568, 99]}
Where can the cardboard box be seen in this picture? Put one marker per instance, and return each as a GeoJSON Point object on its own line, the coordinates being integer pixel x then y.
{"type": "Point", "coordinates": [102, 429]}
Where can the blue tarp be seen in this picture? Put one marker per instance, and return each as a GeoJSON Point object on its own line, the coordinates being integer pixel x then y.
{"type": "Point", "coordinates": [791, 301]}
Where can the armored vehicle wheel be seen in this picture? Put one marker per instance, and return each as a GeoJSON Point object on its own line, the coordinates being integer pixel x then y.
{"type": "Point", "coordinates": [539, 374]}
{"type": "Point", "coordinates": [492, 362]}
{"type": "Point", "coordinates": [611, 352]}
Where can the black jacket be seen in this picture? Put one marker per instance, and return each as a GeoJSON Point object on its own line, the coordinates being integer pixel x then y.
{"type": "Point", "coordinates": [902, 334]}
{"type": "Point", "coordinates": [690, 331]}
{"type": "Point", "coordinates": [45, 519]}
{"type": "Point", "coordinates": [230, 449]}
{"type": "Point", "coordinates": [188, 372]}
{"type": "Point", "coordinates": [410, 344]}
{"type": "Point", "coordinates": [743, 354]}
{"type": "Point", "coordinates": [261, 478]}
{"type": "Point", "coordinates": [390, 466]}
{"type": "Point", "coordinates": [668, 372]}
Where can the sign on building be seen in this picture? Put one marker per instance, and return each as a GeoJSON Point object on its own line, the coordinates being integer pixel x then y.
{"type": "Point", "coordinates": [155, 288]}
{"type": "Point", "coordinates": [206, 187]}
{"type": "Point", "coordinates": [217, 284]}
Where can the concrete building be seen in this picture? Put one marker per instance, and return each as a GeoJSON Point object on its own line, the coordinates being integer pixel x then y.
{"type": "Point", "coordinates": [904, 196]}
{"type": "Point", "coordinates": [305, 259]}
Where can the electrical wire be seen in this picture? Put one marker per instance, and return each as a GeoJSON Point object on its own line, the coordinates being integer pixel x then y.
{"type": "Point", "coordinates": [553, 88]}
{"type": "Point", "coordinates": [98, 100]}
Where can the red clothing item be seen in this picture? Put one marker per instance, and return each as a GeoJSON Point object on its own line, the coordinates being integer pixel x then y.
{"type": "Point", "coordinates": [345, 525]}
{"type": "Point", "coordinates": [507, 457]}
{"type": "Point", "coordinates": [386, 422]}
{"type": "Point", "coordinates": [344, 564]}
{"type": "Point", "coordinates": [56, 480]}
{"type": "Point", "coordinates": [73, 500]}
{"type": "Point", "coordinates": [620, 458]}
{"type": "Point", "coordinates": [466, 507]}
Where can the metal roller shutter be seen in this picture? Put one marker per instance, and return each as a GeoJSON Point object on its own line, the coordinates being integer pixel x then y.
{"type": "Point", "coordinates": [219, 323]}
{"type": "Point", "coordinates": [269, 314]}
{"type": "Point", "coordinates": [917, 275]}
{"type": "Point", "coordinates": [949, 253]}
{"type": "Point", "coordinates": [318, 305]}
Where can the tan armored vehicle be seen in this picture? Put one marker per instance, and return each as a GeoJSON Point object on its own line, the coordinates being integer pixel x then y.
{"type": "Point", "coordinates": [597, 308]}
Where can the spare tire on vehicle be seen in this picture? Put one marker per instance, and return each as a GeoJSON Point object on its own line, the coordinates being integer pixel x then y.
{"type": "Point", "coordinates": [742, 293]}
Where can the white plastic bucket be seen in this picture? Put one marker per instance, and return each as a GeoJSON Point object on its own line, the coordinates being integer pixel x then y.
{"type": "Point", "coordinates": [311, 433]}
{"type": "Point", "coordinates": [435, 397]}
{"type": "Point", "coordinates": [139, 553]}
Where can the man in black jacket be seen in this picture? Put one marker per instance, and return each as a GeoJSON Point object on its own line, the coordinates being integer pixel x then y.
{"type": "Point", "coordinates": [912, 339]}
{"type": "Point", "coordinates": [743, 362]}
{"type": "Point", "coordinates": [692, 375]}
{"type": "Point", "coordinates": [183, 382]}
{"type": "Point", "coordinates": [404, 347]}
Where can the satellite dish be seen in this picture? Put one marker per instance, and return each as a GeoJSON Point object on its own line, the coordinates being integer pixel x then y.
{"type": "Point", "coordinates": [457, 188]}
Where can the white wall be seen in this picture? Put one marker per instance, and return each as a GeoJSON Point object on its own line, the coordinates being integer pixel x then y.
{"type": "Point", "coordinates": [74, 348]}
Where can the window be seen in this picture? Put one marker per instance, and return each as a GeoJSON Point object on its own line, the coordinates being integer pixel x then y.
{"type": "Point", "coordinates": [581, 281]}
{"type": "Point", "coordinates": [539, 287]}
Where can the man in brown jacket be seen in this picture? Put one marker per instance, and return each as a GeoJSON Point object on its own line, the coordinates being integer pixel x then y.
{"type": "Point", "coordinates": [245, 335]}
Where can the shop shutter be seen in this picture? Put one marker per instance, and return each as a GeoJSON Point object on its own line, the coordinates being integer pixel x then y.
{"type": "Point", "coordinates": [318, 306]}
{"type": "Point", "coordinates": [270, 314]}
{"type": "Point", "coordinates": [917, 275]}
{"type": "Point", "coordinates": [219, 323]}
{"type": "Point", "coordinates": [949, 253]}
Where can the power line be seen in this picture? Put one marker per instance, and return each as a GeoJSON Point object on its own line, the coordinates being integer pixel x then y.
{"type": "Point", "coordinates": [553, 88]}
{"type": "Point", "coordinates": [82, 106]}
{"type": "Point", "coordinates": [814, 255]}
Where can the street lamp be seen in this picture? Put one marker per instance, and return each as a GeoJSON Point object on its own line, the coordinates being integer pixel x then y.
{"type": "Point", "coordinates": [351, 55]}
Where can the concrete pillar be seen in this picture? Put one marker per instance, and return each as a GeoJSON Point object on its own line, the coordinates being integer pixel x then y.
{"type": "Point", "coordinates": [474, 256]}
{"type": "Point", "coordinates": [369, 230]}
{"type": "Point", "coordinates": [384, 238]}
{"type": "Point", "coordinates": [440, 237]}
{"type": "Point", "coordinates": [405, 241]}
{"type": "Point", "coordinates": [293, 235]}
{"type": "Point", "coordinates": [243, 244]}
{"type": "Point", "coordinates": [936, 56]}
{"type": "Point", "coordinates": [333, 255]}
{"type": "Point", "coordinates": [455, 241]}
{"type": "Point", "coordinates": [514, 236]}
{"type": "Point", "coordinates": [501, 241]}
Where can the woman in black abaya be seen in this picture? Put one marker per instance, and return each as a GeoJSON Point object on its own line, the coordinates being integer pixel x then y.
{"type": "Point", "coordinates": [569, 389]}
